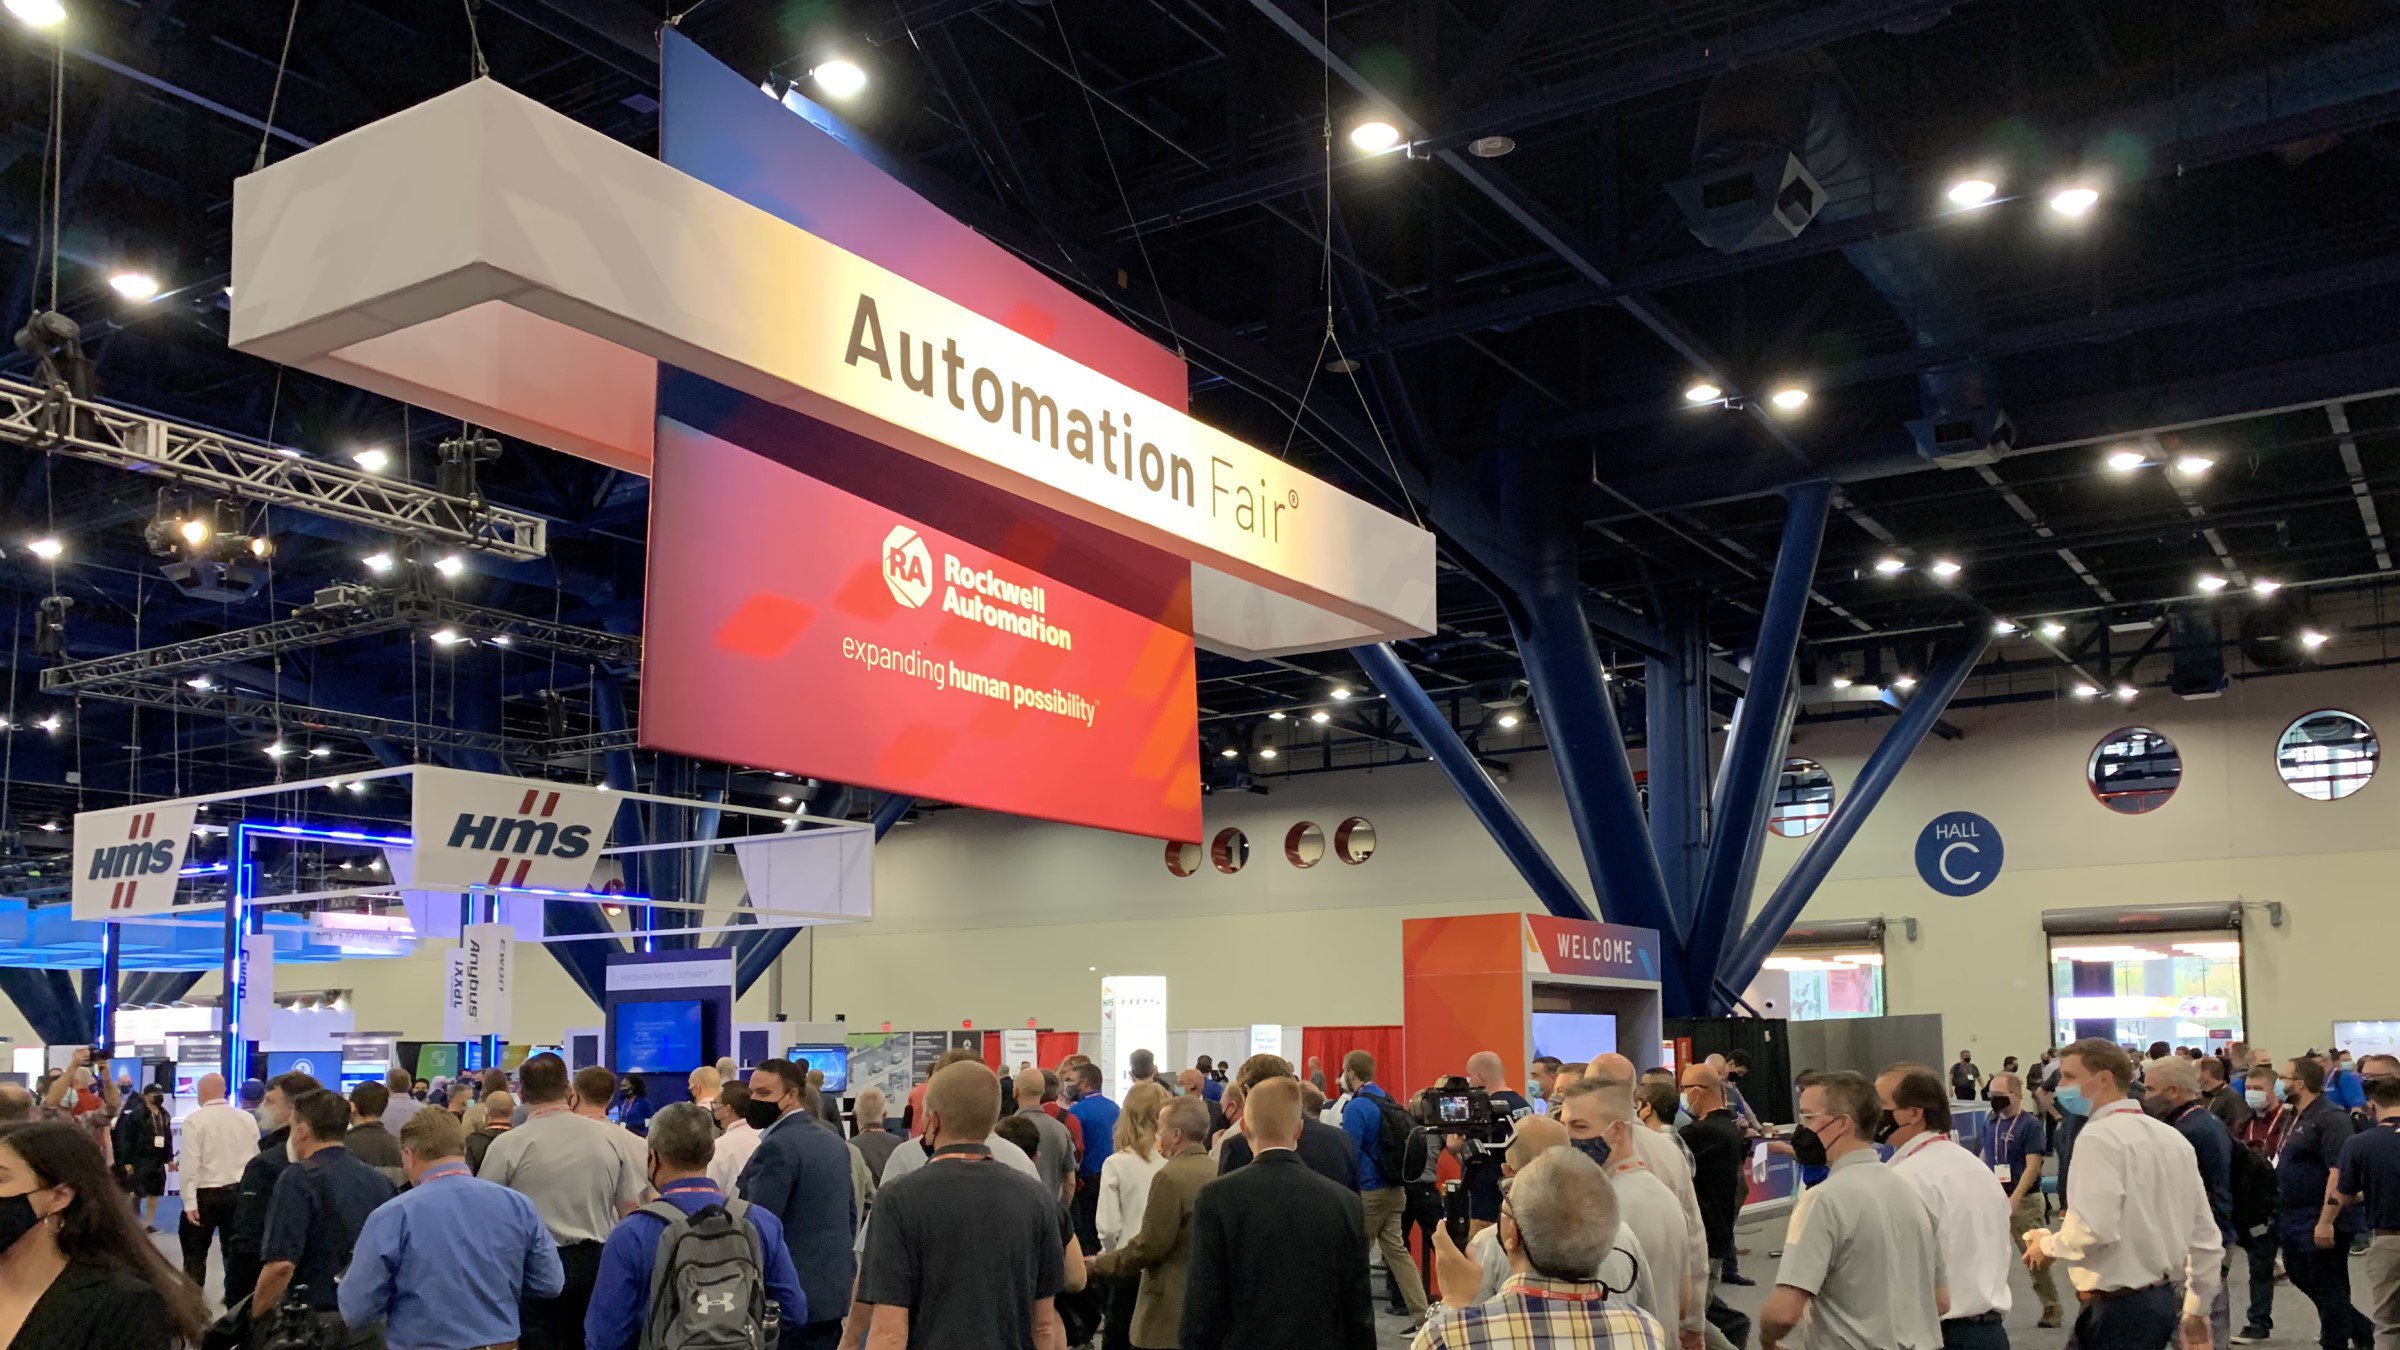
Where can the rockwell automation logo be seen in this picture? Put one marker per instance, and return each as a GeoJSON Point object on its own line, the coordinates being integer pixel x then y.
{"type": "Point", "coordinates": [907, 566]}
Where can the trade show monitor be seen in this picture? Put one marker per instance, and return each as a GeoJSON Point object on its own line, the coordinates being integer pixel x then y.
{"type": "Point", "coordinates": [1573, 1037]}
{"type": "Point", "coordinates": [657, 1037]}
{"type": "Point", "coordinates": [834, 1060]}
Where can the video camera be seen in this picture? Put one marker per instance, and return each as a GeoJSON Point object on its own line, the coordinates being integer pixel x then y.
{"type": "Point", "coordinates": [1451, 1107]}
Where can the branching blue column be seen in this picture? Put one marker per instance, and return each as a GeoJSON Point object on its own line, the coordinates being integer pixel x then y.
{"type": "Point", "coordinates": [1440, 739]}
{"type": "Point", "coordinates": [1675, 751]}
{"type": "Point", "coordinates": [756, 959]}
{"type": "Point", "coordinates": [1754, 749]}
{"type": "Point", "coordinates": [1956, 661]}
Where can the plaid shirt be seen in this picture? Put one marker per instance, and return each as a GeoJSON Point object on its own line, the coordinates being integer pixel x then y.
{"type": "Point", "coordinates": [1534, 1313]}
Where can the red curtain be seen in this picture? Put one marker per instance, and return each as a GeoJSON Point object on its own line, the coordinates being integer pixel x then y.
{"type": "Point", "coordinates": [1052, 1046]}
{"type": "Point", "coordinates": [1330, 1044]}
{"type": "Point", "coordinates": [991, 1052]}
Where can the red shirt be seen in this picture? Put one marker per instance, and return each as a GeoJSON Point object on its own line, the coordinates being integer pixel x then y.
{"type": "Point", "coordinates": [2263, 1132]}
{"type": "Point", "coordinates": [1057, 1111]}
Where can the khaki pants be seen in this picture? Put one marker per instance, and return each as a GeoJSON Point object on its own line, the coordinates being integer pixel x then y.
{"type": "Point", "coordinates": [2382, 1269]}
{"type": "Point", "coordinates": [2027, 1216]}
{"type": "Point", "coordinates": [1384, 1210]}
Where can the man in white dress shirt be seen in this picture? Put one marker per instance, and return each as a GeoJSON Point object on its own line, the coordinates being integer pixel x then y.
{"type": "Point", "coordinates": [1970, 1214]}
{"type": "Point", "coordinates": [2137, 1216]}
{"type": "Point", "coordinates": [219, 1139]}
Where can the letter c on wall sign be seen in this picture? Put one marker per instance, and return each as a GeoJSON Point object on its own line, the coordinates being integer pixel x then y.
{"type": "Point", "coordinates": [1959, 853]}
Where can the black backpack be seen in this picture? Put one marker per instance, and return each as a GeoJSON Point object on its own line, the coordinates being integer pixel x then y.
{"type": "Point", "coordinates": [1397, 1140]}
{"type": "Point", "coordinates": [2254, 1198]}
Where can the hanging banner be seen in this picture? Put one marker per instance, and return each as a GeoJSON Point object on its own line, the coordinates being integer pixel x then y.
{"type": "Point", "coordinates": [437, 1059]}
{"type": "Point", "coordinates": [454, 994]}
{"type": "Point", "coordinates": [1017, 1047]}
{"type": "Point", "coordinates": [127, 859]}
{"type": "Point", "coordinates": [481, 829]}
{"type": "Point", "coordinates": [1133, 1016]}
{"type": "Point", "coordinates": [1266, 1038]}
{"type": "Point", "coordinates": [258, 986]}
{"type": "Point", "coordinates": [491, 952]}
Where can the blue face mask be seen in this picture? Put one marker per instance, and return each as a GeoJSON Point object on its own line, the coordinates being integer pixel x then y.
{"type": "Point", "coordinates": [2072, 1101]}
{"type": "Point", "coordinates": [1814, 1176]}
{"type": "Point", "coordinates": [1594, 1149]}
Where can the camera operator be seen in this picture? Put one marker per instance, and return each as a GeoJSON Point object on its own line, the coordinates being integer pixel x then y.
{"type": "Point", "coordinates": [1479, 1168]}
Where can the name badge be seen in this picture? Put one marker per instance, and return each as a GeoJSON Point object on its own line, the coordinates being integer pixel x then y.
{"type": "Point", "coordinates": [2001, 1170]}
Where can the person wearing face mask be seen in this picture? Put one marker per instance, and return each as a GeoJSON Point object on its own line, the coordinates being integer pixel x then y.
{"type": "Point", "coordinates": [800, 1173]}
{"type": "Point", "coordinates": [681, 1149]}
{"type": "Point", "coordinates": [2261, 1136]}
{"type": "Point", "coordinates": [737, 1136]}
{"type": "Point", "coordinates": [580, 1181]}
{"type": "Point", "coordinates": [321, 1202]}
{"type": "Point", "coordinates": [2013, 1147]}
{"type": "Point", "coordinates": [248, 1226]}
{"type": "Point", "coordinates": [1970, 1218]}
{"type": "Point", "coordinates": [1538, 1082]}
{"type": "Point", "coordinates": [2304, 1179]}
{"type": "Point", "coordinates": [1715, 1137]}
{"type": "Point", "coordinates": [451, 1260]}
{"type": "Point", "coordinates": [2224, 1101]}
{"type": "Point", "coordinates": [1866, 1270]}
{"type": "Point", "coordinates": [1558, 1225]}
{"type": "Point", "coordinates": [2175, 1098]}
{"type": "Point", "coordinates": [2138, 1220]}
{"type": "Point", "coordinates": [75, 1273]}
{"type": "Point", "coordinates": [1672, 1281]}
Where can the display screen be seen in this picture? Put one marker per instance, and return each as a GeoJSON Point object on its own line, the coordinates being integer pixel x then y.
{"type": "Point", "coordinates": [833, 1060]}
{"type": "Point", "coordinates": [662, 1037]}
{"type": "Point", "coordinates": [1574, 1038]}
{"type": "Point", "coordinates": [1453, 1108]}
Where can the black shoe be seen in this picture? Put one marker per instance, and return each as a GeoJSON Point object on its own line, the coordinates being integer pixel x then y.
{"type": "Point", "coordinates": [2252, 1335]}
{"type": "Point", "coordinates": [1738, 1281]}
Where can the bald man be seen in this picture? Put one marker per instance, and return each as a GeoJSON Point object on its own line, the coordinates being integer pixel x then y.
{"type": "Point", "coordinates": [16, 1104]}
{"type": "Point", "coordinates": [1480, 1172]}
{"type": "Point", "coordinates": [1715, 1138]}
{"type": "Point", "coordinates": [219, 1139]}
{"type": "Point", "coordinates": [1610, 1068]}
{"type": "Point", "coordinates": [1056, 1160]}
{"type": "Point", "coordinates": [1196, 1084]}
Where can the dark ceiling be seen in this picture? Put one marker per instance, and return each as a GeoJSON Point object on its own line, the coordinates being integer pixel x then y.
{"type": "Point", "coordinates": [1532, 316]}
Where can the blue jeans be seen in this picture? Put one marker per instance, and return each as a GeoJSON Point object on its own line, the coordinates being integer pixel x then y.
{"type": "Point", "coordinates": [2143, 1320]}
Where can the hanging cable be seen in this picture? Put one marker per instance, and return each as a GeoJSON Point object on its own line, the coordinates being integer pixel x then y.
{"type": "Point", "coordinates": [1166, 313]}
{"type": "Point", "coordinates": [275, 95]}
{"type": "Point", "coordinates": [478, 70]}
{"type": "Point", "coordinates": [54, 158]}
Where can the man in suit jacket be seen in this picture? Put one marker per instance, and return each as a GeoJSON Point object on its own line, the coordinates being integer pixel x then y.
{"type": "Point", "coordinates": [1279, 1254]}
{"type": "Point", "coordinates": [800, 1173]}
{"type": "Point", "coordinates": [1326, 1149]}
{"type": "Point", "coordinates": [1162, 1251]}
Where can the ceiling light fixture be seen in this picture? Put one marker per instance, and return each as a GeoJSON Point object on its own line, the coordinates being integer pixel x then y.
{"type": "Point", "coordinates": [2086, 691]}
{"type": "Point", "coordinates": [1972, 191]}
{"type": "Point", "coordinates": [2074, 202]}
{"type": "Point", "coordinates": [2210, 583]}
{"type": "Point", "coordinates": [447, 637]}
{"type": "Point", "coordinates": [1276, 716]}
{"type": "Point", "coordinates": [1839, 681]}
{"type": "Point", "coordinates": [201, 682]}
{"type": "Point", "coordinates": [1945, 569]}
{"type": "Point", "coordinates": [2311, 639]}
{"type": "Point", "coordinates": [2192, 466]}
{"type": "Point", "coordinates": [51, 723]}
{"type": "Point", "coordinates": [1790, 398]}
{"type": "Point", "coordinates": [1888, 566]}
{"type": "Point", "coordinates": [2125, 693]}
{"type": "Point", "coordinates": [1266, 752]}
{"type": "Point", "coordinates": [450, 565]}
{"type": "Point", "coordinates": [1320, 717]}
{"type": "Point", "coordinates": [2126, 461]}
{"type": "Point", "coordinates": [2002, 628]}
{"type": "Point", "coordinates": [787, 799]}
{"type": "Point", "coordinates": [2054, 630]}
{"type": "Point", "coordinates": [372, 459]}
{"type": "Point", "coordinates": [134, 285]}
{"type": "Point", "coordinates": [1508, 721]}
{"type": "Point", "coordinates": [379, 563]}
{"type": "Point", "coordinates": [46, 547]}
{"type": "Point", "coordinates": [1375, 136]}
{"type": "Point", "coordinates": [1229, 753]}
{"type": "Point", "coordinates": [277, 750]}
{"type": "Point", "coordinates": [1905, 683]}
{"type": "Point", "coordinates": [1491, 147]}
{"type": "Point", "coordinates": [1340, 692]}
{"type": "Point", "coordinates": [1701, 391]}
{"type": "Point", "coordinates": [319, 751]}
{"type": "Point", "coordinates": [839, 77]}
{"type": "Point", "coordinates": [2262, 586]}
{"type": "Point", "coordinates": [38, 13]}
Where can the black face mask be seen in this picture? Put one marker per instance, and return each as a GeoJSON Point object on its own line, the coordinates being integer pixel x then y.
{"type": "Point", "coordinates": [16, 1218]}
{"type": "Point", "coordinates": [2000, 1104]}
{"type": "Point", "coordinates": [1885, 1131]}
{"type": "Point", "coordinates": [761, 1114]}
{"type": "Point", "coordinates": [1594, 1149]}
{"type": "Point", "coordinates": [1807, 1149]}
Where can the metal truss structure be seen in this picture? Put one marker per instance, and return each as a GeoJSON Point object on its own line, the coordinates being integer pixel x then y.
{"type": "Point", "coordinates": [55, 421]}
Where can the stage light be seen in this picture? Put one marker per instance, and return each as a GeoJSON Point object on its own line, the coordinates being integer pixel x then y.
{"type": "Point", "coordinates": [2210, 583]}
{"type": "Point", "coordinates": [2126, 461]}
{"type": "Point", "coordinates": [319, 751]}
{"type": "Point", "coordinates": [1945, 569]}
{"type": "Point", "coordinates": [1375, 136]}
{"type": "Point", "coordinates": [839, 77]}
{"type": "Point", "coordinates": [1972, 191]}
{"type": "Point", "coordinates": [1905, 683]}
{"type": "Point", "coordinates": [2262, 586]}
{"type": "Point", "coordinates": [133, 285]}
{"type": "Point", "coordinates": [379, 563]}
{"type": "Point", "coordinates": [1266, 752]}
{"type": "Point", "coordinates": [2075, 201]}
{"type": "Point", "coordinates": [373, 459]}
{"type": "Point", "coordinates": [447, 637]}
{"type": "Point", "coordinates": [2192, 466]}
{"type": "Point", "coordinates": [1320, 717]}
{"type": "Point", "coordinates": [261, 546]}
{"type": "Point", "coordinates": [2086, 691]}
{"type": "Point", "coordinates": [38, 13]}
{"type": "Point", "coordinates": [1508, 721]}
{"type": "Point", "coordinates": [450, 565]}
{"type": "Point", "coordinates": [1889, 566]}
{"type": "Point", "coordinates": [1341, 692]}
{"type": "Point", "coordinates": [503, 640]}
{"type": "Point", "coordinates": [1275, 716]}
{"type": "Point", "coordinates": [201, 682]}
{"type": "Point", "coordinates": [2311, 639]}
{"type": "Point", "coordinates": [51, 723]}
{"type": "Point", "coordinates": [2054, 630]}
{"type": "Point", "coordinates": [46, 547]}
{"type": "Point", "coordinates": [288, 452]}
{"type": "Point", "coordinates": [195, 531]}
{"type": "Point", "coordinates": [1840, 681]}
{"type": "Point", "coordinates": [49, 827]}
{"type": "Point", "coordinates": [1702, 391]}
{"type": "Point", "coordinates": [359, 788]}
{"type": "Point", "coordinates": [277, 750]}
{"type": "Point", "coordinates": [1790, 398]}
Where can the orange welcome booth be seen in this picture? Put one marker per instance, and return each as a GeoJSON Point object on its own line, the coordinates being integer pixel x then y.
{"type": "Point", "coordinates": [1522, 985]}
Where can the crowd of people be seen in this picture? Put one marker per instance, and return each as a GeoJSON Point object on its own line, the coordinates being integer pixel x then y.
{"type": "Point", "coordinates": [1216, 1207]}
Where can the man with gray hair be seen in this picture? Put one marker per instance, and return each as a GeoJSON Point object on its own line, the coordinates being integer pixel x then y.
{"type": "Point", "coordinates": [1057, 1160]}
{"type": "Point", "coordinates": [401, 1084]}
{"type": "Point", "coordinates": [1602, 1121]}
{"type": "Point", "coordinates": [682, 1141]}
{"type": "Point", "coordinates": [1557, 1225]}
{"type": "Point", "coordinates": [1865, 1269]}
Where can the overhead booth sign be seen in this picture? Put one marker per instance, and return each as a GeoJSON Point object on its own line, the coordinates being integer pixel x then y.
{"type": "Point", "coordinates": [922, 518]}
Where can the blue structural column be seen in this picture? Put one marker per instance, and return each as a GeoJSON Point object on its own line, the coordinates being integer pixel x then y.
{"type": "Point", "coordinates": [1440, 739]}
{"type": "Point", "coordinates": [1955, 662]}
{"type": "Point", "coordinates": [104, 1005]}
{"type": "Point", "coordinates": [1754, 748]}
{"type": "Point", "coordinates": [1675, 752]}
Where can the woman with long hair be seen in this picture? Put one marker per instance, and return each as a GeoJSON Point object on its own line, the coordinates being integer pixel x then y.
{"type": "Point", "coordinates": [75, 1273]}
{"type": "Point", "coordinates": [1124, 1193]}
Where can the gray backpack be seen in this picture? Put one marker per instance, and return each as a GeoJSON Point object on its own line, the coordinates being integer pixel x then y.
{"type": "Point", "coordinates": [708, 1290]}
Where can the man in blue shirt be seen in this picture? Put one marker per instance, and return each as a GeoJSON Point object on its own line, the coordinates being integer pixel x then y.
{"type": "Point", "coordinates": [800, 1174]}
{"type": "Point", "coordinates": [2370, 1178]}
{"type": "Point", "coordinates": [2013, 1147]}
{"type": "Point", "coordinates": [1098, 1117]}
{"type": "Point", "coordinates": [2302, 1169]}
{"type": "Point", "coordinates": [682, 1141]}
{"type": "Point", "coordinates": [445, 1266]}
{"type": "Point", "coordinates": [1386, 1198]}
{"type": "Point", "coordinates": [319, 1206]}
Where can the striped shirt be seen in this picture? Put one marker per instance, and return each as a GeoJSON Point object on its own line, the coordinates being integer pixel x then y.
{"type": "Point", "coordinates": [1535, 1313]}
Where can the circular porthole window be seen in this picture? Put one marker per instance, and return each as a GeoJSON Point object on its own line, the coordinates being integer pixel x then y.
{"type": "Point", "coordinates": [2327, 755]}
{"type": "Point", "coordinates": [1183, 859]}
{"type": "Point", "coordinates": [1230, 850]}
{"type": "Point", "coordinates": [2134, 771]}
{"type": "Point", "coordinates": [1354, 840]}
{"type": "Point", "coordinates": [1304, 844]}
{"type": "Point", "coordinates": [1803, 799]}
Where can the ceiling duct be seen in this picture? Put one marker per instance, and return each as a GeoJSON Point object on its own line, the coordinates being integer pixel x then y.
{"type": "Point", "coordinates": [1771, 130]}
